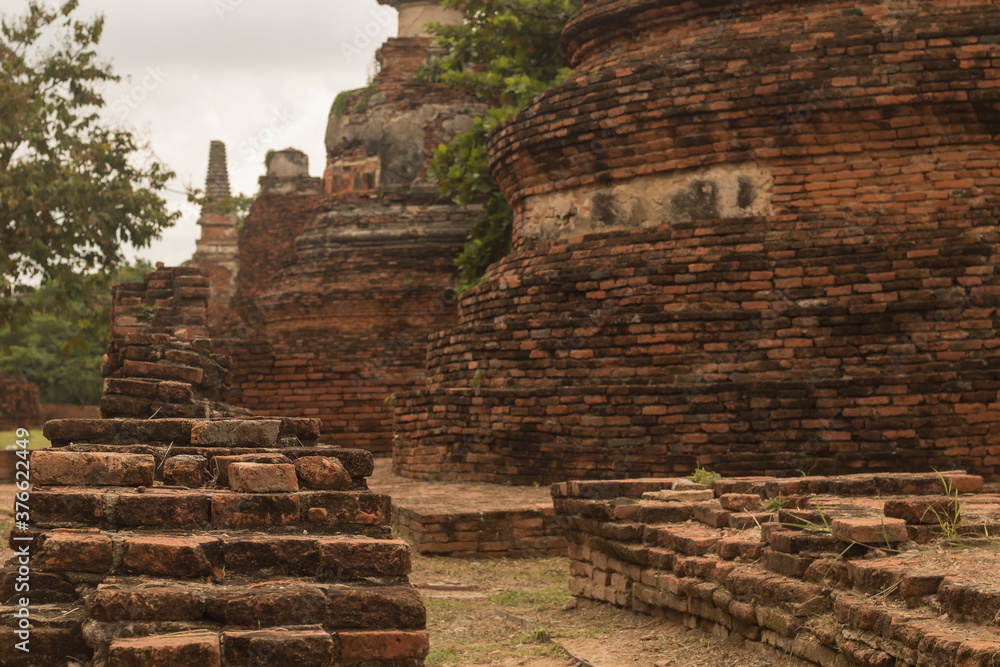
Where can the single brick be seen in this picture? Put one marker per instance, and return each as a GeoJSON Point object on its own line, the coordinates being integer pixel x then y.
{"type": "Point", "coordinates": [263, 478]}
{"type": "Point", "coordinates": [323, 473]}
{"type": "Point", "coordinates": [219, 465]}
{"type": "Point", "coordinates": [52, 467]}
{"type": "Point", "coordinates": [63, 507]}
{"type": "Point", "coordinates": [285, 603]}
{"type": "Point", "coordinates": [289, 554]}
{"type": "Point", "coordinates": [346, 507]}
{"type": "Point", "coordinates": [151, 602]}
{"type": "Point", "coordinates": [236, 433]}
{"type": "Point", "coordinates": [679, 496]}
{"type": "Point", "coordinates": [146, 369]}
{"type": "Point", "coordinates": [870, 531]}
{"type": "Point", "coordinates": [383, 645]}
{"type": "Point", "coordinates": [75, 552]}
{"type": "Point", "coordinates": [361, 557]}
{"type": "Point", "coordinates": [163, 507]}
{"type": "Point", "coordinates": [200, 649]}
{"type": "Point", "coordinates": [279, 647]}
{"type": "Point", "coordinates": [170, 556]}
{"type": "Point", "coordinates": [924, 510]}
{"type": "Point", "coordinates": [738, 502]}
{"type": "Point", "coordinates": [242, 510]}
{"type": "Point", "coordinates": [185, 470]}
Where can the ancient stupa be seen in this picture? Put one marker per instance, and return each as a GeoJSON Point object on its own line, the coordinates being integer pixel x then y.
{"type": "Point", "coordinates": [338, 290]}
{"type": "Point", "coordinates": [755, 237]}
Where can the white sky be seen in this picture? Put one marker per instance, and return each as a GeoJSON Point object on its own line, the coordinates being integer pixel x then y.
{"type": "Point", "coordinates": [255, 74]}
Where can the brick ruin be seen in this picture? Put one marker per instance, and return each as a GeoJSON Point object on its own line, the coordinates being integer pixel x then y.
{"type": "Point", "coordinates": [750, 236]}
{"type": "Point", "coordinates": [210, 543]}
{"type": "Point", "coordinates": [19, 405]}
{"type": "Point", "coordinates": [833, 578]}
{"type": "Point", "coordinates": [340, 281]}
{"type": "Point", "coordinates": [161, 361]}
{"type": "Point", "coordinates": [218, 247]}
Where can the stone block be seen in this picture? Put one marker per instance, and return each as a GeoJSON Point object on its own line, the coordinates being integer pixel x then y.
{"type": "Point", "coordinates": [322, 473]}
{"type": "Point", "coordinates": [263, 478]}
{"type": "Point", "coordinates": [236, 433]}
{"type": "Point", "coordinates": [152, 602]}
{"type": "Point", "coordinates": [54, 467]}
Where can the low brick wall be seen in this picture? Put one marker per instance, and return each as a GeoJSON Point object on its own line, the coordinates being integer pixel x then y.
{"type": "Point", "coordinates": [501, 534]}
{"type": "Point", "coordinates": [852, 571]}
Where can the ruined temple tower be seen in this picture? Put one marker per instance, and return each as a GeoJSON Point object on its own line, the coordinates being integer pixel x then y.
{"type": "Point", "coordinates": [216, 253]}
{"type": "Point", "coordinates": [757, 237]}
{"type": "Point", "coordinates": [340, 283]}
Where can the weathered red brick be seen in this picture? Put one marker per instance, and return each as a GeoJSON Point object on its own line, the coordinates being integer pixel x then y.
{"type": "Point", "coordinates": [322, 472]}
{"type": "Point", "coordinates": [171, 556]}
{"type": "Point", "coordinates": [200, 649]}
{"type": "Point", "coordinates": [263, 478]}
{"type": "Point", "coordinates": [50, 467]}
{"type": "Point", "coordinates": [384, 645]}
{"type": "Point", "coordinates": [75, 552]}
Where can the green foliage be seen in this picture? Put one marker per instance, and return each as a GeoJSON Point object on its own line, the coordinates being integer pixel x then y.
{"type": "Point", "coordinates": [702, 476]}
{"type": "Point", "coordinates": [60, 343]}
{"type": "Point", "coordinates": [506, 53]}
{"type": "Point", "coordinates": [776, 504]}
{"type": "Point", "coordinates": [949, 518]}
{"type": "Point", "coordinates": [71, 197]}
{"type": "Point", "coordinates": [354, 100]}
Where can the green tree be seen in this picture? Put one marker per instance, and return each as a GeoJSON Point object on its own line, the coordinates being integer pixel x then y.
{"type": "Point", "coordinates": [71, 195]}
{"type": "Point", "coordinates": [60, 343]}
{"type": "Point", "coordinates": [505, 53]}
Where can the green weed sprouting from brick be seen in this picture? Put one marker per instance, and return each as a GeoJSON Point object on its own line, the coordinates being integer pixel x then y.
{"type": "Point", "coordinates": [702, 476]}
{"type": "Point", "coordinates": [777, 503]}
{"type": "Point", "coordinates": [949, 519]}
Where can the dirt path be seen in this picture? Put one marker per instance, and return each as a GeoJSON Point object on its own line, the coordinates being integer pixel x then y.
{"type": "Point", "coordinates": [464, 600]}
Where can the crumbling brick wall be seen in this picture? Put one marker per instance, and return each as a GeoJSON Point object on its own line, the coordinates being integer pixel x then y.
{"type": "Point", "coordinates": [337, 294]}
{"type": "Point", "coordinates": [160, 361]}
{"type": "Point", "coordinates": [209, 542]}
{"type": "Point", "coordinates": [849, 570]}
{"type": "Point", "coordinates": [755, 237]}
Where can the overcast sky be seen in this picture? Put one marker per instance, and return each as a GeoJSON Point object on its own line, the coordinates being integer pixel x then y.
{"type": "Point", "coordinates": [255, 74]}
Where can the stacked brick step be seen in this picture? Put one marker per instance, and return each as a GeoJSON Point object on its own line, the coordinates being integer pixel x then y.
{"type": "Point", "coordinates": [211, 542]}
{"type": "Point", "coordinates": [160, 361]}
{"type": "Point", "coordinates": [883, 569]}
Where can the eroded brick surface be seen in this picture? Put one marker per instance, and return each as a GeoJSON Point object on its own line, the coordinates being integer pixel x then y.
{"type": "Point", "coordinates": [839, 582]}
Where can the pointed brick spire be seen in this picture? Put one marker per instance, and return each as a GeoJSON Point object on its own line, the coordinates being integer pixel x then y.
{"type": "Point", "coordinates": [217, 181]}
